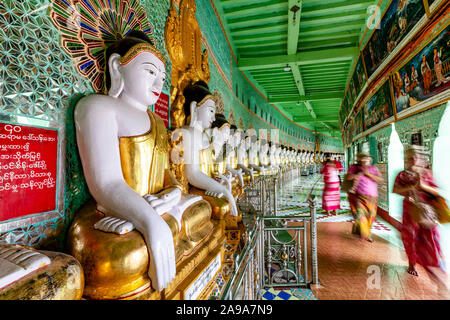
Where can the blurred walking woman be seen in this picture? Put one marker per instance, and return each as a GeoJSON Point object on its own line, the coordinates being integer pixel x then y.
{"type": "Point", "coordinates": [419, 234]}
{"type": "Point", "coordinates": [331, 194]}
{"type": "Point", "coordinates": [364, 195]}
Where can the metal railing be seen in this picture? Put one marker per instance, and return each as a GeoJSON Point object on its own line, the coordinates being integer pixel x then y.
{"type": "Point", "coordinates": [276, 253]}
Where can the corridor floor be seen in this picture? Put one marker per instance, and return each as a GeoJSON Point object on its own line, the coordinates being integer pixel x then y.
{"type": "Point", "coordinates": [352, 269]}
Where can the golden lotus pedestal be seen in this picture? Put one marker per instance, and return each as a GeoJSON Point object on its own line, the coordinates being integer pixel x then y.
{"type": "Point", "coordinates": [115, 266]}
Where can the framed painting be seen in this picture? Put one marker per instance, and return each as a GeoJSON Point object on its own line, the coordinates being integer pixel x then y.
{"type": "Point", "coordinates": [359, 121]}
{"type": "Point", "coordinates": [424, 75]}
{"type": "Point", "coordinates": [378, 107]}
{"type": "Point", "coordinates": [398, 20]}
{"type": "Point", "coordinates": [359, 77]}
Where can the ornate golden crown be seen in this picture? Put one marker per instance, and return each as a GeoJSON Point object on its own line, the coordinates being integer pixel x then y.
{"type": "Point", "coordinates": [139, 48]}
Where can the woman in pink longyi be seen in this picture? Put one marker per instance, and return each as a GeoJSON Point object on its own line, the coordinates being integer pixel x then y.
{"type": "Point", "coordinates": [331, 193]}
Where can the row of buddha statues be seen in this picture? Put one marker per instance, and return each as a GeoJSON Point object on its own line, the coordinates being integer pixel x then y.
{"type": "Point", "coordinates": [144, 235]}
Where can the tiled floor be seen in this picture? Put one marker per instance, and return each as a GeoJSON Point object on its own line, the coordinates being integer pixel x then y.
{"type": "Point", "coordinates": [350, 268]}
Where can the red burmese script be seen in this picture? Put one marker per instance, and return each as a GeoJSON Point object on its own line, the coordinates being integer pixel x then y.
{"type": "Point", "coordinates": [28, 169]}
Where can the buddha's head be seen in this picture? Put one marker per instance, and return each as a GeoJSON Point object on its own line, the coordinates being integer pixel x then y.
{"type": "Point", "coordinates": [264, 146]}
{"type": "Point", "coordinates": [220, 133]}
{"type": "Point", "coordinates": [246, 143]}
{"type": "Point", "coordinates": [199, 104]}
{"type": "Point", "coordinates": [135, 70]}
{"type": "Point", "coordinates": [236, 135]}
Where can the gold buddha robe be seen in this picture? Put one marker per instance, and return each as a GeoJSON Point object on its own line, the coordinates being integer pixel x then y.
{"type": "Point", "coordinates": [220, 206]}
{"type": "Point", "coordinates": [237, 188]}
{"type": "Point", "coordinates": [116, 266]}
{"type": "Point", "coordinates": [247, 176]}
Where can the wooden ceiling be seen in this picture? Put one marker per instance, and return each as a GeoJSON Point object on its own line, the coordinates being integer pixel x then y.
{"type": "Point", "coordinates": [300, 52]}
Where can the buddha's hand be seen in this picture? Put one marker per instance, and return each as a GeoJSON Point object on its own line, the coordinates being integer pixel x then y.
{"type": "Point", "coordinates": [162, 268]}
{"type": "Point", "coordinates": [165, 200]}
{"type": "Point", "coordinates": [226, 180]}
{"type": "Point", "coordinates": [251, 174]}
{"type": "Point", "coordinates": [214, 194]}
{"type": "Point", "coordinates": [241, 177]}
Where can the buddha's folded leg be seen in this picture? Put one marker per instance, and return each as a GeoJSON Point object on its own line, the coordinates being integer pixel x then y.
{"type": "Point", "coordinates": [220, 206]}
{"type": "Point", "coordinates": [62, 279]}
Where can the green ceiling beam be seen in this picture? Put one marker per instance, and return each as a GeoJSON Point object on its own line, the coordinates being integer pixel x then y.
{"type": "Point", "coordinates": [293, 25]}
{"type": "Point", "coordinates": [273, 27]}
{"type": "Point", "coordinates": [307, 97]}
{"type": "Point", "coordinates": [346, 26]}
{"type": "Point", "coordinates": [326, 83]}
{"type": "Point", "coordinates": [324, 71]}
{"type": "Point", "coordinates": [258, 37]}
{"type": "Point", "coordinates": [272, 78]}
{"type": "Point", "coordinates": [342, 64]}
{"type": "Point", "coordinates": [260, 19]}
{"type": "Point", "coordinates": [334, 18]}
{"type": "Point", "coordinates": [327, 9]}
{"type": "Point", "coordinates": [297, 78]}
{"type": "Point", "coordinates": [263, 44]}
{"type": "Point", "coordinates": [230, 3]}
{"type": "Point", "coordinates": [310, 120]}
{"type": "Point", "coordinates": [300, 58]}
{"type": "Point", "coordinates": [329, 35]}
{"type": "Point", "coordinates": [328, 43]}
{"type": "Point", "coordinates": [310, 109]}
{"type": "Point", "coordinates": [324, 75]}
{"type": "Point", "coordinates": [253, 9]}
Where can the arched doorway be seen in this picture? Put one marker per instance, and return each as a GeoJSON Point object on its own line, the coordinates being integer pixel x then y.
{"type": "Point", "coordinates": [395, 166]}
{"type": "Point", "coordinates": [441, 173]}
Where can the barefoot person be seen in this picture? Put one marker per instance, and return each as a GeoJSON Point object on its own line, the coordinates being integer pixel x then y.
{"type": "Point", "coordinates": [420, 237]}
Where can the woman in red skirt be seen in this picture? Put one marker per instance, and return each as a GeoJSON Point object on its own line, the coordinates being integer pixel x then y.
{"type": "Point", "coordinates": [331, 196]}
{"type": "Point", "coordinates": [420, 238]}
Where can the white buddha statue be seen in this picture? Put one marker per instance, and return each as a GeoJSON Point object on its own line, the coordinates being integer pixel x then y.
{"type": "Point", "coordinates": [264, 156]}
{"type": "Point", "coordinates": [200, 109]}
{"type": "Point", "coordinates": [220, 133]}
{"type": "Point", "coordinates": [253, 155]}
{"type": "Point", "coordinates": [243, 158]}
{"type": "Point", "coordinates": [124, 151]}
{"type": "Point", "coordinates": [273, 157]}
{"type": "Point", "coordinates": [231, 155]}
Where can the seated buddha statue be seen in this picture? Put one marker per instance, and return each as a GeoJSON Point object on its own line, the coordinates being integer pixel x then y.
{"type": "Point", "coordinates": [253, 156]}
{"type": "Point", "coordinates": [299, 158]}
{"type": "Point", "coordinates": [215, 164]}
{"type": "Point", "coordinates": [225, 160]}
{"type": "Point", "coordinates": [124, 152]}
{"type": "Point", "coordinates": [231, 157]}
{"type": "Point", "coordinates": [243, 160]}
{"type": "Point", "coordinates": [273, 158]}
{"type": "Point", "coordinates": [278, 156]}
{"type": "Point", "coordinates": [264, 157]}
{"type": "Point", "coordinates": [200, 108]}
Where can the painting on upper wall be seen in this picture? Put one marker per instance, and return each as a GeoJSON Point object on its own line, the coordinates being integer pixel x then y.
{"type": "Point", "coordinates": [379, 107]}
{"type": "Point", "coordinates": [398, 20]}
{"type": "Point", "coordinates": [425, 75]}
{"type": "Point", "coordinates": [359, 122]}
{"type": "Point", "coordinates": [352, 90]}
{"type": "Point", "coordinates": [359, 76]}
